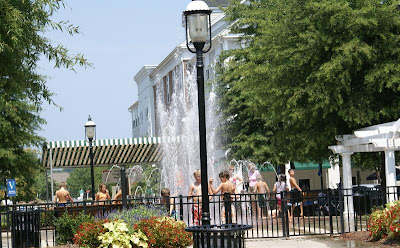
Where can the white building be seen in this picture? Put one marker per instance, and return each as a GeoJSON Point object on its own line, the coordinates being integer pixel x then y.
{"type": "Point", "coordinates": [167, 77]}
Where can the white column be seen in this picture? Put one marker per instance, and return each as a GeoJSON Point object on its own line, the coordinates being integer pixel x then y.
{"type": "Point", "coordinates": [348, 192]}
{"type": "Point", "coordinates": [334, 174]}
{"type": "Point", "coordinates": [390, 174]}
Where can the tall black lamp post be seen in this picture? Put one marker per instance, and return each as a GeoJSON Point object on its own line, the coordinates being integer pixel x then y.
{"type": "Point", "coordinates": [198, 33]}
{"type": "Point", "coordinates": [90, 132]}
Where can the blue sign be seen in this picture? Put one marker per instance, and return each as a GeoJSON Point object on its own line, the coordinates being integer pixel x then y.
{"type": "Point", "coordinates": [11, 187]}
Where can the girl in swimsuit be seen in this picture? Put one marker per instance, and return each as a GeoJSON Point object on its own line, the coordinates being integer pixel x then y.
{"type": "Point", "coordinates": [103, 194]}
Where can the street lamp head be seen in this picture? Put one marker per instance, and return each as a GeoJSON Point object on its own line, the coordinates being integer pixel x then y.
{"type": "Point", "coordinates": [198, 25]}
{"type": "Point", "coordinates": [90, 129]}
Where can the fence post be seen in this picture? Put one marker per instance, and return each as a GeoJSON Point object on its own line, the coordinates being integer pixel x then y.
{"type": "Point", "coordinates": [330, 210]}
{"type": "Point", "coordinates": [228, 210]}
{"type": "Point", "coordinates": [124, 187]}
{"type": "Point", "coordinates": [181, 207]}
{"type": "Point", "coordinates": [284, 213]}
{"type": "Point", "coordinates": [84, 207]}
{"type": "Point", "coordinates": [341, 203]}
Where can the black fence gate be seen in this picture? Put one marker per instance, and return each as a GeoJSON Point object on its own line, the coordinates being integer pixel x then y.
{"type": "Point", "coordinates": [271, 215]}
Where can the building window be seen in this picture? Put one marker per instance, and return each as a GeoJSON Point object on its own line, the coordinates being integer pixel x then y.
{"type": "Point", "coordinates": [177, 79]}
{"type": "Point", "coordinates": [147, 113]}
{"type": "Point", "coordinates": [135, 119]}
{"type": "Point", "coordinates": [141, 117]}
{"type": "Point", "coordinates": [207, 74]}
{"type": "Point", "coordinates": [168, 90]}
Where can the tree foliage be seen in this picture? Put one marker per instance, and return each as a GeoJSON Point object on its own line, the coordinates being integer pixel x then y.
{"type": "Point", "coordinates": [22, 89]}
{"type": "Point", "coordinates": [311, 69]}
{"type": "Point", "coordinates": [42, 187]}
{"type": "Point", "coordinates": [80, 178]}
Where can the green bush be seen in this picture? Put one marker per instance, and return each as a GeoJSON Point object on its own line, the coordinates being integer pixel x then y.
{"type": "Point", "coordinates": [46, 219]}
{"type": "Point", "coordinates": [4, 223]}
{"type": "Point", "coordinates": [67, 225]}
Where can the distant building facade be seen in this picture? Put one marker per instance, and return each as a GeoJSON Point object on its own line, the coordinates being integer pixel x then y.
{"type": "Point", "coordinates": [157, 83]}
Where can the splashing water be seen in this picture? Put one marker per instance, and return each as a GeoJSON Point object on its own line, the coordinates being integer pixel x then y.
{"type": "Point", "coordinates": [179, 128]}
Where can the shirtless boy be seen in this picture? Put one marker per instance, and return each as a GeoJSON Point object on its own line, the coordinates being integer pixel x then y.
{"type": "Point", "coordinates": [261, 188]}
{"type": "Point", "coordinates": [62, 195]}
{"type": "Point", "coordinates": [225, 187]}
{"type": "Point", "coordinates": [195, 193]}
{"type": "Point", "coordinates": [295, 193]}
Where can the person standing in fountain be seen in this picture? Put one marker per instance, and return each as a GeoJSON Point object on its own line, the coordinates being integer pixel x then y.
{"type": "Point", "coordinates": [262, 190]}
{"type": "Point", "coordinates": [195, 193]}
{"type": "Point", "coordinates": [235, 179]}
{"type": "Point", "coordinates": [281, 186]}
{"type": "Point", "coordinates": [118, 197]}
{"type": "Point", "coordinates": [253, 173]}
{"type": "Point", "coordinates": [103, 194]}
{"type": "Point", "coordinates": [168, 202]}
{"type": "Point", "coordinates": [62, 195]}
{"type": "Point", "coordinates": [295, 193]}
{"type": "Point", "coordinates": [225, 187]}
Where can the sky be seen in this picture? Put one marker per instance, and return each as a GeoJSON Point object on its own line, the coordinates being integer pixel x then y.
{"type": "Point", "coordinates": [118, 38]}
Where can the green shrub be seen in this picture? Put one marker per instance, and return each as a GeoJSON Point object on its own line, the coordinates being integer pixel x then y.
{"type": "Point", "coordinates": [4, 225]}
{"type": "Point", "coordinates": [46, 219]}
{"type": "Point", "coordinates": [88, 232]}
{"type": "Point", "coordinates": [164, 232]}
{"type": "Point", "coordinates": [67, 225]}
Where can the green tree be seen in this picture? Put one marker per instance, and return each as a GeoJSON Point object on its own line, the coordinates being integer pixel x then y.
{"type": "Point", "coordinates": [39, 187]}
{"type": "Point", "coordinates": [22, 89]}
{"type": "Point", "coordinates": [311, 70]}
{"type": "Point", "coordinates": [80, 179]}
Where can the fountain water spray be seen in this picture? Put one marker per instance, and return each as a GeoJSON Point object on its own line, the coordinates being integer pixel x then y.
{"type": "Point", "coordinates": [177, 115]}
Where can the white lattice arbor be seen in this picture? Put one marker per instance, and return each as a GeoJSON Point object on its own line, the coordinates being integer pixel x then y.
{"type": "Point", "coordinates": [383, 137]}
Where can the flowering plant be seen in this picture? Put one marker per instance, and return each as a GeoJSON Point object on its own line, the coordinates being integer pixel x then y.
{"type": "Point", "coordinates": [87, 234]}
{"type": "Point", "coordinates": [117, 235]}
{"type": "Point", "coordinates": [375, 224]}
{"type": "Point", "coordinates": [385, 222]}
{"type": "Point", "coordinates": [133, 215]}
{"type": "Point", "coordinates": [164, 232]}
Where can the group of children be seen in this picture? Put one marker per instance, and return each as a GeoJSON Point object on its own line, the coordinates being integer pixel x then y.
{"type": "Point", "coordinates": [229, 184]}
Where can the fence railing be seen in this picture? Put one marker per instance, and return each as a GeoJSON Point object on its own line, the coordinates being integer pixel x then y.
{"type": "Point", "coordinates": [271, 215]}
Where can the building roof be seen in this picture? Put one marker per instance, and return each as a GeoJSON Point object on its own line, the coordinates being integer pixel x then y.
{"type": "Point", "coordinates": [60, 176]}
{"type": "Point", "coordinates": [106, 152]}
{"type": "Point", "coordinates": [217, 3]}
{"type": "Point", "coordinates": [300, 166]}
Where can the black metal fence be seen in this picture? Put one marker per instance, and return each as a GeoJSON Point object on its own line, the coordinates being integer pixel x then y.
{"type": "Point", "coordinates": [271, 215]}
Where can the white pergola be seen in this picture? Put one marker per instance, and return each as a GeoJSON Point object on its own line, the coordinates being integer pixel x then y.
{"type": "Point", "coordinates": [383, 137]}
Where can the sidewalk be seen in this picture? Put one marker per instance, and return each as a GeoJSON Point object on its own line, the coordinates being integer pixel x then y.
{"type": "Point", "coordinates": [311, 241]}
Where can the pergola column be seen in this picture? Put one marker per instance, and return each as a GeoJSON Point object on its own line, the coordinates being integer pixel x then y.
{"type": "Point", "coordinates": [348, 192]}
{"type": "Point", "coordinates": [390, 174]}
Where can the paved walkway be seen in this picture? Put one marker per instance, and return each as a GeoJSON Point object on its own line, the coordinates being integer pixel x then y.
{"type": "Point", "coordinates": [311, 241]}
{"type": "Point", "coordinates": [304, 242]}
